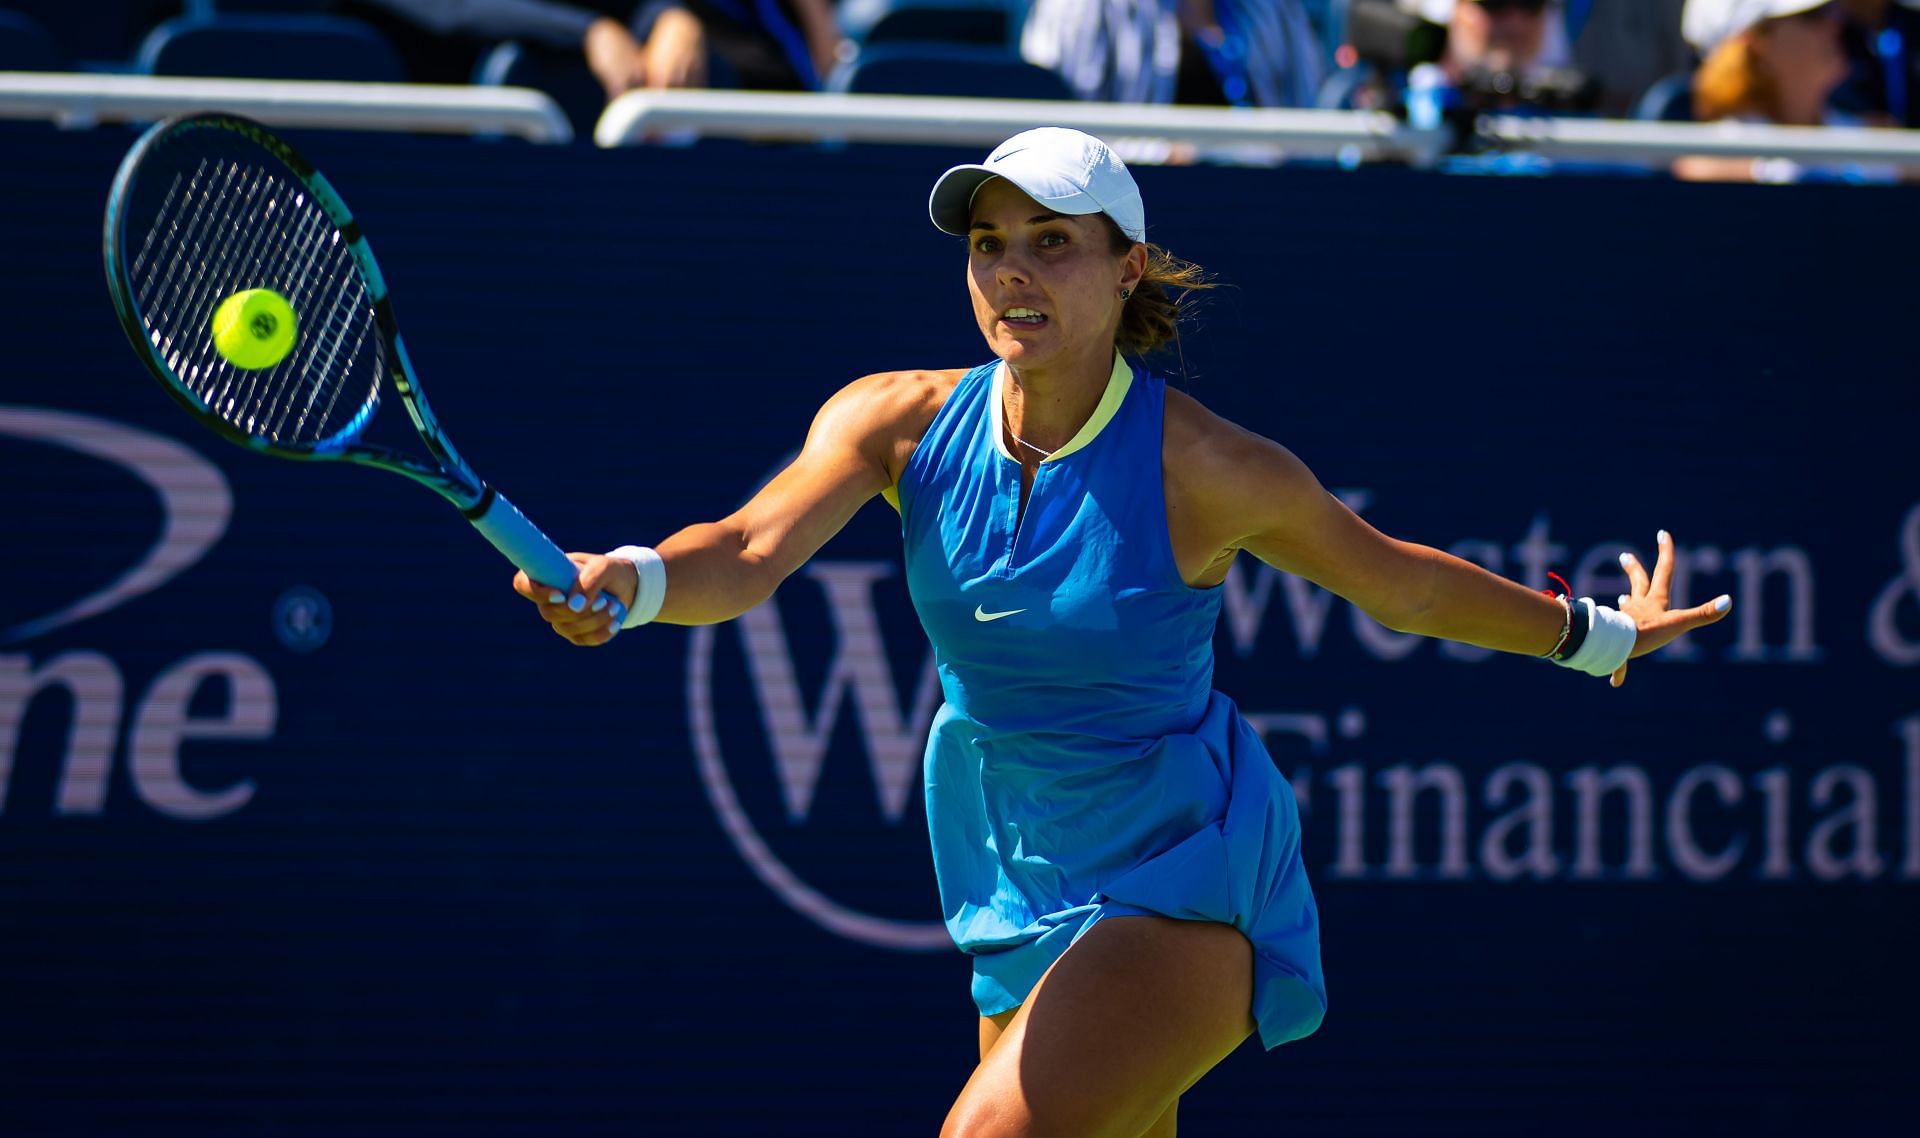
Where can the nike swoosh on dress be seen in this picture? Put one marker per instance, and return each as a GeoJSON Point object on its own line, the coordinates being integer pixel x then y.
{"type": "Point", "coordinates": [981, 614]}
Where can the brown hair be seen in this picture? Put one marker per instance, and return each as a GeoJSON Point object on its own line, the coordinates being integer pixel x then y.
{"type": "Point", "coordinates": [1151, 319]}
{"type": "Point", "coordinates": [1733, 81]}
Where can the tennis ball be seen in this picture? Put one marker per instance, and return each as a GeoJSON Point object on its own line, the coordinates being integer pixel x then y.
{"type": "Point", "coordinates": [254, 329]}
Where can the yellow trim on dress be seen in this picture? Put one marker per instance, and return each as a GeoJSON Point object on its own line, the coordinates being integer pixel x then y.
{"type": "Point", "coordinates": [1119, 382]}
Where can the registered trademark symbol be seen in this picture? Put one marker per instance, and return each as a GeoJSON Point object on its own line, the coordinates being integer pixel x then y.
{"type": "Point", "coordinates": [302, 619]}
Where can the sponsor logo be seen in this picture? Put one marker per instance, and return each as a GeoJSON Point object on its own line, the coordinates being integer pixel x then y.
{"type": "Point", "coordinates": [798, 742]}
{"type": "Point", "coordinates": [196, 506]}
{"type": "Point", "coordinates": [799, 791]}
{"type": "Point", "coordinates": [981, 614]}
{"type": "Point", "coordinates": [194, 500]}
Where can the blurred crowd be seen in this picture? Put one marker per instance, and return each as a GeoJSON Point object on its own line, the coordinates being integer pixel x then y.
{"type": "Point", "coordinates": [1801, 62]}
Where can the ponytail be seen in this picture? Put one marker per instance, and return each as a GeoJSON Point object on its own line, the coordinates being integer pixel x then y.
{"type": "Point", "coordinates": [1150, 321]}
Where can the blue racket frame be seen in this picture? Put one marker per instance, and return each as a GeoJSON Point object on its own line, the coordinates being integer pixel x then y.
{"type": "Point", "coordinates": [443, 471]}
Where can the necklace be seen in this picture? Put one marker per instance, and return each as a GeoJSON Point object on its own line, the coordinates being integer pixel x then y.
{"type": "Point", "coordinates": [1044, 454]}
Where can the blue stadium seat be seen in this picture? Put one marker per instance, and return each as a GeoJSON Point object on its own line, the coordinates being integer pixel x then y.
{"type": "Point", "coordinates": [563, 76]}
{"type": "Point", "coordinates": [26, 46]}
{"type": "Point", "coordinates": [923, 21]}
{"type": "Point", "coordinates": [222, 7]}
{"type": "Point", "coordinates": [271, 47]}
{"type": "Point", "coordinates": [1668, 100]}
{"type": "Point", "coordinates": [970, 21]}
{"type": "Point", "coordinates": [945, 69]}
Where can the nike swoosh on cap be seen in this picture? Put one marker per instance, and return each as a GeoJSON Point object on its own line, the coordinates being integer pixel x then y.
{"type": "Point", "coordinates": [981, 614]}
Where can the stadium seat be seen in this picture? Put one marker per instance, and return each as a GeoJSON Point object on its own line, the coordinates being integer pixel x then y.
{"type": "Point", "coordinates": [923, 21]}
{"type": "Point", "coordinates": [222, 7]}
{"type": "Point", "coordinates": [26, 46]}
{"type": "Point", "coordinates": [563, 76]}
{"type": "Point", "coordinates": [271, 47]}
{"type": "Point", "coordinates": [1001, 20]}
{"type": "Point", "coordinates": [945, 69]}
{"type": "Point", "coordinates": [1668, 100]}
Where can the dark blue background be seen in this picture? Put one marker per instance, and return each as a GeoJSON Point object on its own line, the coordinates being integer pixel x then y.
{"type": "Point", "coordinates": [481, 891]}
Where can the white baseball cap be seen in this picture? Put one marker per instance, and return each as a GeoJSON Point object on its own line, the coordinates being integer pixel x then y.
{"type": "Point", "coordinates": [1067, 171]}
{"type": "Point", "coordinates": [1709, 23]}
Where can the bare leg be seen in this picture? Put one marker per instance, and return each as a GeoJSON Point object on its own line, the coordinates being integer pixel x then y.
{"type": "Point", "coordinates": [1126, 1020]}
{"type": "Point", "coordinates": [993, 1027]}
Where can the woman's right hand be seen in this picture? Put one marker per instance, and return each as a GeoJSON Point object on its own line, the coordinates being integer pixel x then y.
{"type": "Point", "coordinates": [580, 614]}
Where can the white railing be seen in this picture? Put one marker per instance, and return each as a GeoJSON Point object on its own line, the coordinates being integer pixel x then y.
{"type": "Point", "coordinates": [83, 100]}
{"type": "Point", "coordinates": [86, 99]}
{"type": "Point", "coordinates": [642, 115]}
{"type": "Point", "coordinates": [1608, 140]}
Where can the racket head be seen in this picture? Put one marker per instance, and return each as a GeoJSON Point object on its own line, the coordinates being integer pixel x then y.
{"type": "Point", "coordinates": [208, 205]}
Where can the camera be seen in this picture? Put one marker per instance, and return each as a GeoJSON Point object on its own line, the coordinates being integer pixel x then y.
{"type": "Point", "coordinates": [1393, 41]}
{"type": "Point", "coordinates": [1540, 88]}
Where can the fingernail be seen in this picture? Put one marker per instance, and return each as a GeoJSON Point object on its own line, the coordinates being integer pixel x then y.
{"type": "Point", "coordinates": [1621, 601]}
{"type": "Point", "coordinates": [1722, 604]}
{"type": "Point", "coordinates": [1626, 559]}
{"type": "Point", "coordinates": [577, 601]}
{"type": "Point", "coordinates": [556, 598]}
{"type": "Point", "coordinates": [1665, 537]}
{"type": "Point", "coordinates": [600, 602]}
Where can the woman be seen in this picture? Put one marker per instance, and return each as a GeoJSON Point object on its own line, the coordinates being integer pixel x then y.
{"type": "Point", "coordinates": [1772, 61]}
{"type": "Point", "coordinates": [1113, 846]}
{"type": "Point", "coordinates": [1764, 61]}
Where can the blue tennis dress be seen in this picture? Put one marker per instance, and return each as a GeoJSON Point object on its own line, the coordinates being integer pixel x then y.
{"type": "Point", "coordinates": [1082, 767]}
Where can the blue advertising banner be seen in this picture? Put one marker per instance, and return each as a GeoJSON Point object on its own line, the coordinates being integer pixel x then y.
{"type": "Point", "coordinates": [308, 826]}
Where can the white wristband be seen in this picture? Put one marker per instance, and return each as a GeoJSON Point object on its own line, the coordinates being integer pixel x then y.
{"type": "Point", "coordinates": [1610, 638]}
{"type": "Point", "coordinates": [652, 589]}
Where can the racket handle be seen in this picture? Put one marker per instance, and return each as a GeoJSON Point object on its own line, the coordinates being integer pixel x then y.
{"type": "Point", "coordinates": [502, 523]}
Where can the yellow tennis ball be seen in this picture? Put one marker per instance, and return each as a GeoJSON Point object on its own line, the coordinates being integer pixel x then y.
{"type": "Point", "coordinates": [254, 329]}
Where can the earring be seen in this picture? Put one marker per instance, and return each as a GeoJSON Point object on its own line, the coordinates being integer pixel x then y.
{"type": "Point", "coordinates": [1125, 293]}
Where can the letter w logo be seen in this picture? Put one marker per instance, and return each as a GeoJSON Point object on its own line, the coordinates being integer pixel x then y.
{"type": "Point", "coordinates": [799, 744]}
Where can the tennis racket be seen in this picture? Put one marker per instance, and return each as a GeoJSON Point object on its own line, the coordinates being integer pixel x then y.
{"type": "Point", "coordinates": [208, 206]}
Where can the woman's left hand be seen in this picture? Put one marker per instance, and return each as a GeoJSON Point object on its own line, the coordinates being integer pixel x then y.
{"type": "Point", "coordinates": [1647, 605]}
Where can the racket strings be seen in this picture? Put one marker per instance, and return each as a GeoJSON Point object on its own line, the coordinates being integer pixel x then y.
{"type": "Point", "coordinates": [226, 222]}
{"type": "Point", "coordinates": [310, 232]}
{"type": "Point", "coordinates": [227, 228]}
{"type": "Point", "coordinates": [349, 301]}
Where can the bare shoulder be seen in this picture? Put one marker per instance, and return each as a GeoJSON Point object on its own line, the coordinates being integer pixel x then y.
{"type": "Point", "coordinates": [1212, 461]}
{"type": "Point", "coordinates": [1224, 480]}
{"type": "Point", "coordinates": [904, 395]}
{"type": "Point", "coordinates": [885, 414]}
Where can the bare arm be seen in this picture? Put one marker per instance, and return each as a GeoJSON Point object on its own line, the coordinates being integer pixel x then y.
{"type": "Point", "coordinates": [718, 570]}
{"type": "Point", "coordinates": [1288, 520]}
{"type": "Point", "coordinates": [859, 441]}
{"type": "Point", "coordinates": [822, 34]}
{"type": "Point", "coordinates": [1241, 491]}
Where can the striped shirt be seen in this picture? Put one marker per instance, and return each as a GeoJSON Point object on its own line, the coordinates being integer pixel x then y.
{"type": "Point", "coordinates": [1128, 51]}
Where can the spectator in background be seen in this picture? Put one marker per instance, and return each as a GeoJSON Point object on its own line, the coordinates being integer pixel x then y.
{"type": "Point", "coordinates": [1628, 46]}
{"type": "Point", "coordinates": [1500, 55]}
{"type": "Point", "coordinates": [627, 44]}
{"type": "Point", "coordinates": [1772, 61]}
{"type": "Point", "coordinates": [1492, 36]}
{"type": "Point", "coordinates": [1249, 53]}
{"type": "Point", "coordinates": [1762, 61]}
{"type": "Point", "coordinates": [1882, 44]}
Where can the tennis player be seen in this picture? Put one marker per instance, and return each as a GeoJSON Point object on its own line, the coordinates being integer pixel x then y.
{"type": "Point", "coordinates": [1114, 848]}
